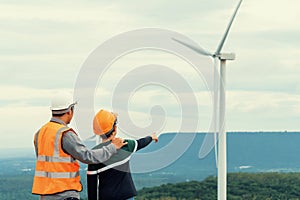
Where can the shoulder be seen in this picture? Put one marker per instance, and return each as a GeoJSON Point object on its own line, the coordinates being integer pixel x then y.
{"type": "Point", "coordinates": [70, 136]}
{"type": "Point", "coordinates": [68, 133]}
{"type": "Point", "coordinates": [131, 145]}
{"type": "Point", "coordinates": [99, 146]}
{"type": "Point", "coordinates": [68, 130]}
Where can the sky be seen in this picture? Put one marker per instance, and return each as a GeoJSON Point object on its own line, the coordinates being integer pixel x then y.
{"type": "Point", "coordinates": [44, 45]}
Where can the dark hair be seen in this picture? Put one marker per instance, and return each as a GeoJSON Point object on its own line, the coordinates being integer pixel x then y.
{"type": "Point", "coordinates": [58, 115]}
{"type": "Point", "coordinates": [61, 114]}
{"type": "Point", "coordinates": [109, 133]}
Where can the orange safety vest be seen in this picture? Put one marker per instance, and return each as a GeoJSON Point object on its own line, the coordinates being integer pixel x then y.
{"type": "Point", "coordinates": [55, 170]}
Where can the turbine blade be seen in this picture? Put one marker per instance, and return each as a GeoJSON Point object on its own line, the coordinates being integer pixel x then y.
{"type": "Point", "coordinates": [210, 140]}
{"type": "Point", "coordinates": [207, 145]}
{"type": "Point", "coordinates": [216, 108]}
{"type": "Point", "coordinates": [216, 148]}
{"type": "Point", "coordinates": [197, 49]}
{"type": "Point", "coordinates": [218, 51]}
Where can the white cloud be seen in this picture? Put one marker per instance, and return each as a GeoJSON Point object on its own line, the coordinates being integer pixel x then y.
{"type": "Point", "coordinates": [250, 110]}
{"type": "Point", "coordinates": [19, 124]}
{"type": "Point", "coordinates": [262, 110]}
{"type": "Point", "coordinates": [25, 96]}
{"type": "Point", "coordinates": [64, 11]}
{"type": "Point", "coordinates": [269, 15]}
{"type": "Point", "coordinates": [44, 44]}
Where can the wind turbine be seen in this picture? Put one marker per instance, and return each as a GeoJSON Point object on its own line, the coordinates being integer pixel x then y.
{"type": "Point", "coordinates": [220, 98]}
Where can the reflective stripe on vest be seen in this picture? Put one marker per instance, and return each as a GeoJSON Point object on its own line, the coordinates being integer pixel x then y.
{"type": "Point", "coordinates": [56, 147]}
{"type": "Point", "coordinates": [56, 159]}
{"type": "Point", "coordinates": [56, 174]}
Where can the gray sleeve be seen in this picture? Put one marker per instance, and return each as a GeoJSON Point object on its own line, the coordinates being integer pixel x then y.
{"type": "Point", "coordinates": [72, 145]}
{"type": "Point", "coordinates": [35, 142]}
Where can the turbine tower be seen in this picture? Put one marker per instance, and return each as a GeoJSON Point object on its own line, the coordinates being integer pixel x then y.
{"type": "Point", "coordinates": [219, 98]}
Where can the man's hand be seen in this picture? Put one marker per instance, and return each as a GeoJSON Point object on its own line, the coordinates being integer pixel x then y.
{"type": "Point", "coordinates": [154, 137]}
{"type": "Point", "coordinates": [118, 142]}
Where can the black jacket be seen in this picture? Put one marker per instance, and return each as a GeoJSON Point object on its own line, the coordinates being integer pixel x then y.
{"type": "Point", "coordinates": [114, 176]}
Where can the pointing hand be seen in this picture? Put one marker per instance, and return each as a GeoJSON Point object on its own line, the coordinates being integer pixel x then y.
{"type": "Point", "coordinates": [154, 137]}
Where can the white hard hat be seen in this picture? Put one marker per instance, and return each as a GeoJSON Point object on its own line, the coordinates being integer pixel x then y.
{"type": "Point", "coordinates": [62, 102]}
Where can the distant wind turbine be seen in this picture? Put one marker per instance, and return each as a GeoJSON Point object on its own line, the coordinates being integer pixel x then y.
{"type": "Point", "coordinates": [219, 97]}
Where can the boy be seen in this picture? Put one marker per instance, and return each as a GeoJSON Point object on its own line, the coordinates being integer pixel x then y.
{"type": "Point", "coordinates": [112, 179]}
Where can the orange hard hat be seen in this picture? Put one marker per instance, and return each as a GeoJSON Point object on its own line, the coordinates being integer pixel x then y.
{"type": "Point", "coordinates": [104, 122]}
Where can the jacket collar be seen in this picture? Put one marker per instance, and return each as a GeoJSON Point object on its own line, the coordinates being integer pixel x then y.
{"type": "Point", "coordinates": [56, 120]}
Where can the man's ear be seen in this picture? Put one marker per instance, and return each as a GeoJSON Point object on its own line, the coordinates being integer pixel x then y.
{"type": "Point", "coordinates": [115, 130]}
{"type": "Point", "coordinates": [70, 112]}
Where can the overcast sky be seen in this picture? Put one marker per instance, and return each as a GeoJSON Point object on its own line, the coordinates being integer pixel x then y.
{"type": "Point", "coordinates": [45, 43]}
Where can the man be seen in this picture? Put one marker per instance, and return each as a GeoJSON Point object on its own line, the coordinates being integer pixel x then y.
{"type": "Point", "coordinates": [58, 148]}
{"type": "Point", "coordinates": [111, 180]}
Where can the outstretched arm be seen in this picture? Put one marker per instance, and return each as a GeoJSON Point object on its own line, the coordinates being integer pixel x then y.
{"type": "Point", "coordinates": [143, 142]}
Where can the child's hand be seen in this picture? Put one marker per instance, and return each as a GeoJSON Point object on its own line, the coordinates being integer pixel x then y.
{"type": "Point", "coordinates": [154, 137]}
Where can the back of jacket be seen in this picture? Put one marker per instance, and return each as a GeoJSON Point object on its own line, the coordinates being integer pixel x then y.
{"type": "Point", "coordinates": [115, 181]}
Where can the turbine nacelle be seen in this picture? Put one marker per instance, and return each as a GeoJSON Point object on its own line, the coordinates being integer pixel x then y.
{"type": "Point", "coordinates": [226, 56]}
{"type": "Point", "coordinates": [200, 50]}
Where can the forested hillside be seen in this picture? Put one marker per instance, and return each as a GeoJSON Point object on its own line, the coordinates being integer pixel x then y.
{"type": "Point", "coordinates": [241, 186]}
